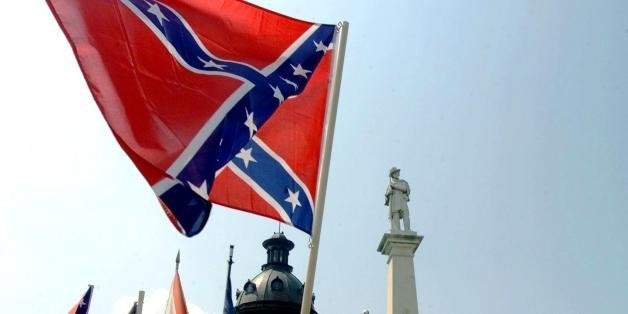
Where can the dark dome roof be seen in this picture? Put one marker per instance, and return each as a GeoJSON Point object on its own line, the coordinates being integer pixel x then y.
{"type": "Point", "coordinates": [275, 289]}
{"type": "Point", "coordinates": [272, 285]}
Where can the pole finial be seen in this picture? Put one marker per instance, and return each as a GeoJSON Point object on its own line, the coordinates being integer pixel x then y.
{"type": "Point", "coordinates": [231, 254]}
{"type": "Point", "coordinates": [178, 260]}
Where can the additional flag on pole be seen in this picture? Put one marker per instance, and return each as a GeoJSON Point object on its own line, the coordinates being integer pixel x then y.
{"type": "Point", "coordinates": [176, 300]}
{"type": "Point", "coordinates": [186, 87]}
{"type": "Point", "coordinates": [134, 308]}
{"type": "Point", "coordinates": [228, 307]}
{"type": "Point", "coordinates": [82, 306]}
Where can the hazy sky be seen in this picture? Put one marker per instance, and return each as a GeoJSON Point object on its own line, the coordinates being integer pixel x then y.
{"type": "Point", "coordinates": [508, 118]}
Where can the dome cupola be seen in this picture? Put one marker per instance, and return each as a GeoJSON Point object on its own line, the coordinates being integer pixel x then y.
{"type": "Point", "coordinates": [275, 289]}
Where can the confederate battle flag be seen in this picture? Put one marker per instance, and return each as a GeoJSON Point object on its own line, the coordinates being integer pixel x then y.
{"type": "Point", "coordinates": [214, 101]}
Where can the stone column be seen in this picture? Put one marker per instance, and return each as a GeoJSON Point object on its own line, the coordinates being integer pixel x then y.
{"type": "Point", "coordinates": [401, 291]}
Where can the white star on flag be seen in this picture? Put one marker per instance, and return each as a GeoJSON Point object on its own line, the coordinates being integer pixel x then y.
{"type": "Point", "coordinates": [250, 123]}
{"type": "Point", "coordinates": [156, 11]}
{"type": "Point", "coordinates": [289, 82]}
{"type": "Point", "coordinates": [299, 70]}
{"type": "Point", "coordinates": [277, 93]}
{"type": "Point", "coordinates": [200, 190]}
{"type": "Point", "coordinates": [320, 46]}
{"type": "Point", "coordinates": [293, 198]}
{"type": "Point", "coordinates": [212, 64]}
{"type": "Point", "coordinates": [245, 155]}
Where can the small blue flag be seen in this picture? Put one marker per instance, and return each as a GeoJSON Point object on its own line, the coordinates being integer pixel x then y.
{"type": "Point", "coordinates": [82, 306]}
{"type": "Point", "coordinates": [228, 301]}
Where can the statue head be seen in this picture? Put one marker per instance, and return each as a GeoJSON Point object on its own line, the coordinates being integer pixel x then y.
{"type": "Point", "coordinates": [394, 172]}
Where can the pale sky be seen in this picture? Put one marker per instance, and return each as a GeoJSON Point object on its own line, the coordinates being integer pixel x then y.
{"type": "Point", "coordinates": [509, 119]}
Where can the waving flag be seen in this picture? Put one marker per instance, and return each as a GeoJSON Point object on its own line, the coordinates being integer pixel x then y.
{"type": "Point", "coordinates": [82, 306]}
{"type": "Point", "coordinates": [176, 300]}
{"type": "Point", "coordinates": [218, 101]}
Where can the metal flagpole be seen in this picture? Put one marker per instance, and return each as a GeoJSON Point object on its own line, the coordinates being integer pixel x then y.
{"type": "Point", "coordinates": [228, 306]}
{"type": "Point", "coordinates": [140, 302]}
{"type": "Point", "coordinates": [328, 131]}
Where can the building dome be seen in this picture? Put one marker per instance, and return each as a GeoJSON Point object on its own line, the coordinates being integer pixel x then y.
{"type": "Point", "coordinates": [275, 289]}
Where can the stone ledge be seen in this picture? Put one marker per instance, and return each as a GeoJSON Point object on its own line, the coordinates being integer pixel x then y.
{"type": "Point", "coordinates": [407, 239]}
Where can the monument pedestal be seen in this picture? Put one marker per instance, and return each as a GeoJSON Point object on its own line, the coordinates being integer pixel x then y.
{"type": "Point", "coordinates": [401, 292]}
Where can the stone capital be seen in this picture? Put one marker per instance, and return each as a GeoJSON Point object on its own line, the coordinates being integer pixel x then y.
{"type": "Point", "coordinates": [404, 243]}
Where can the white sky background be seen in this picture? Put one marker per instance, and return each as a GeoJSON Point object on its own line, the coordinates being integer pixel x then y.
{"type": "Point", "coordinates": [509, 120]}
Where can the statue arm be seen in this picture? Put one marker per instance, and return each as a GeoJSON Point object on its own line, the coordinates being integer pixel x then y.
{"type": "Point", "coordinates": [401, 186]}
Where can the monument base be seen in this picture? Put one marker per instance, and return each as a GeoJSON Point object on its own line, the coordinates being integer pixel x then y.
{"type": "Point", "coordinates": [401, 291]}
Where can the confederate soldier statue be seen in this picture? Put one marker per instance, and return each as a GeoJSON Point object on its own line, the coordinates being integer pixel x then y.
{"type": "Point", "coordinates": [397, 198]}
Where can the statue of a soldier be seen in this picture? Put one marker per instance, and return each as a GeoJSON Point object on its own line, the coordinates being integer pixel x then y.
{"type": "Point", "coordinates": [397, 198]}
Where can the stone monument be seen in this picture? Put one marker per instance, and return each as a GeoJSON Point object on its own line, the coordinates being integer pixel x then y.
{"type": "Point", "coordinates": [400, 246]}
{"type": "Point", "coordinates": [397, 198]}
